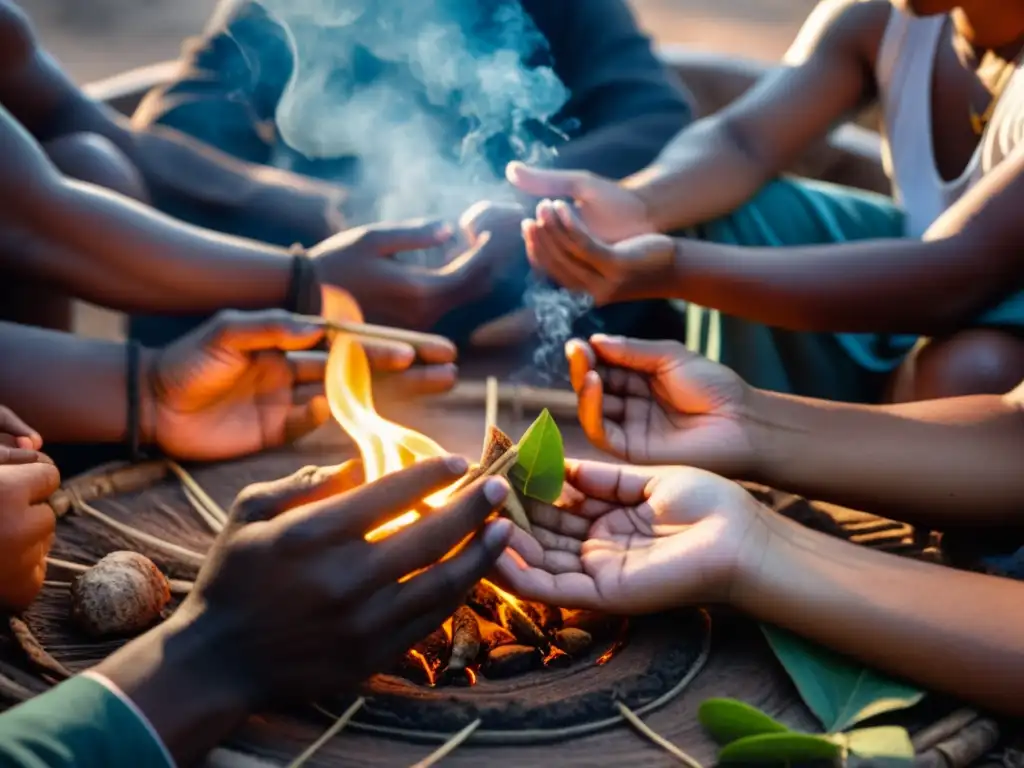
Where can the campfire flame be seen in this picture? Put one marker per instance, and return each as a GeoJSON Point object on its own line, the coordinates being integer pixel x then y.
{"type": "Point", "coordinates": [384, 446]}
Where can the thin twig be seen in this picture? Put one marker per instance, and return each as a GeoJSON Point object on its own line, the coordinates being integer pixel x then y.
{"type": "Point", "coordinates": [67, 566]}
{"type": "Point", "coordinates": [204, 512]}
{"type": "Point", "coordinates": [329, 734]}
{"type": "Point", "coordinates": [490, 406]}
{"type": "Point", "coordinates": [178, 586]}
{"type": "Point", "coordinates": [188, 556]}
{"type": "Point", "coordinates": [189, 482]}
{"type": "Point", "coordinates": [449, 746]}
{"type": "Point", "coordinates": [57, 584]}
{"type": "Point", "coordinates": [35, 651]}
{"type": "Point", "coordinates": [661, 741]}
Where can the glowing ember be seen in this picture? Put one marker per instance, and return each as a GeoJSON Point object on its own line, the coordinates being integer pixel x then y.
{"type": "Point", "coordinates": [421, 660]}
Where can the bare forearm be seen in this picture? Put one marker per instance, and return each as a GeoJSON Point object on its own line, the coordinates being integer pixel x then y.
{"type": "Point", "coordinates": [702, 174]}
{"type": "Point", "coordinates": [882, 610]}
{"type": "Point", "coordinates": [71, 389]}
{"type": "Point", "coordinates": [105, 249]}
{"type": "Point", "coordinates": [870, 286]}
{"type": "Point", "coordinates": [940, 463]}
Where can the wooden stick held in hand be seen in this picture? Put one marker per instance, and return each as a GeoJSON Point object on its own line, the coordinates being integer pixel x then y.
{"type": "Point", "coordinates": [380, 332]}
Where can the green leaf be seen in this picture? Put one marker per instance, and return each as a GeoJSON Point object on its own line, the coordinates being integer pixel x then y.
{"type": "Point", "coordinates": [884, 741]}
{"type": "Point", "coordinates": [540, 469]}
{"type": "Point", "coordinates": [840, 692]}
{"type": "Point", "coordinates": [728, 720]}
{"type": "Point", "coordinates": [780, 748]}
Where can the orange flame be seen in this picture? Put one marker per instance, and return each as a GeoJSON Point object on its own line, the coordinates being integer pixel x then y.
{"type": "Point", "coordinates": [385, 447]}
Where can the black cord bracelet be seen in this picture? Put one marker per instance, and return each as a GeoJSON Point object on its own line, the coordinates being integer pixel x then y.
{"type": "Point", "coordinates": [303, 287]}
{"type": "Point", "coordinates": [132, 372]}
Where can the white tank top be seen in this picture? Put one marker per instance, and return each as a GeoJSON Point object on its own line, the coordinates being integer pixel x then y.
{"type": "Point", "coordinates": [904, 69]}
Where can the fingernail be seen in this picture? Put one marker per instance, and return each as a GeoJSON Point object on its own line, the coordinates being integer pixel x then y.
{"type": "Point", "coordinates": [457, 464]}
{"type": "Point", "coordinates": [495, 490]}
{"type": "Point", "coordinates": [497, 534]}
{"type": "Point", "coordinates": [603, 338]}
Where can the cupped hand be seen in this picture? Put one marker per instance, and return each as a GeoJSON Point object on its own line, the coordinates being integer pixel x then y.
{"type": "Point", "coordinates": [559, 244]}
{"type": "Point", "coordinates": [302, 605]}
{"type": "Point", "coordinates": [655, 402]}
{"type": "Point", "coordinates": [632, 540]}
{"type": "Point", "coordinates": [611, 211]}
{"type": "Point", "coordinates": [26, 529]}
{"type": "Point", "coordinates": [398, 293]}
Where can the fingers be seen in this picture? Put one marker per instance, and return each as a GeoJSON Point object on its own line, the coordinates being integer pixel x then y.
{"type": "Point", "coordinates": [581, 360]}
{"type": "Point", "coordinates": [307, 367]}
{"type": "Point", "coordinates": [418, 381]}
{"type": "Point", "coordinates": [369, 506]}
{"type": "Point", "coordinates": [410, 236]}
{"type": "Point", "coordinates": [545, 183]}
{"type": "Point", "coordinates": [9, 455]}
{"type": "Point", "coordinates": [557, 520]}
{"type": "Point", "coordinates": [304, 418]}
{"type": "Point", "coordinates": [642, 356]}
{"type": "Point", "coordinates": [544, 254]}
{"type": "Point", "coordinates": [29, 527]}
{"type": "Point", "coordinates": [388, 356]}
{"type": "Point", "coordinates": [264, 501]}
{"type": "Point", "coordinates": [611, 483]}
{"type": "Point", "coordinates": [427, 541]}
{"type": "Point", "coordinates": [597, 416]}
{"type": "Point", "coordinates": [11, 424]}
{"type": "Point", "coordinates": [28, 483]}
{"type": "Point", "coordinates": [265, 330]}
{"type": "Point", "coordinates": [507, 331]}
{"type": "Point", "coordinates": [568, 590]}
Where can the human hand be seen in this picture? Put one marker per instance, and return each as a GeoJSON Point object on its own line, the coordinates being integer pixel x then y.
{"type": "Point", "coordinates": [19, 443]}
{"type": "Point", "coordinates": [632, 540]}
{"type": "Point", "coordinates": [392, 292]}
{"type": "Point", "coordinates": [26, 528]}
{"type": "Point", "coordinates": [301, 605]}
{"type": "Point", "coordinates": [609, 210]}
{"type": "Point", "coordinates": [562, 246]}
{"type": "Point", "coordinates": [655, 402]}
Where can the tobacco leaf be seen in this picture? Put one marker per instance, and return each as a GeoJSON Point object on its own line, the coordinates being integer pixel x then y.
{"type": "Point", "coordinates": [840, 692]}
{"type": "Point", "coordinates": [887, 741]}
{"type": "Point", "coordinates": [728, 720]}
{"type": "Point", "coordinates": [789, 747]}
{"type": "Point", "coordinates": [539, 471]}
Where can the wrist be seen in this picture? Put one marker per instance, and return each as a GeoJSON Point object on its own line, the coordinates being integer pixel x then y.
{"type": "Point", "coordinates": [774, 441]}
{"type": "Point", "coordinates": [147, 394]}
{"type": "Point", "coordinates": [766, 549]}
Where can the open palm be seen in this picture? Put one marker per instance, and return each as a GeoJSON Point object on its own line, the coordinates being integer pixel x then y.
{"type": "Point", "coordinates": [654, 402]}
{"type": "Point", "coordinates": [630, 540]}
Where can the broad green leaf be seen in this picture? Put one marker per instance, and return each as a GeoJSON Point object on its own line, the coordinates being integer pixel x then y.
{"type": "Point", "coordinates": [840, 692]}
{"type": "Point", "coordinates": [540, 469]}
{"type": "Point", "coordinates": [884, 741]}
{"type": "Point", "coordinates": [728, 720]}
{"type": "Point", "coordinates": [780, 748]}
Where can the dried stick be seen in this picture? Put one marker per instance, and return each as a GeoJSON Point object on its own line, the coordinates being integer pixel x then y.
{"type": "Point", "coordinates": [448, 747]}
{"type": "Point", "coordinates": [381, 332]}
{"type": "Point", "coordinates": [491, 406]}
{"type": "Point", "coordinates": [12, 690]}
{"type": "Point", "coordinates": [178, 586]}
{"type": "Point", "coordinates": [35, 652]}
{"type": "Point", "coordinates": [120, 479]}
{"type": "Point", "coordinates": [329, 734]}
{"type": "Point", "coordinates": [203, 511]}
{"type": "Point", "coordinates": [661, 741]}
{"type": "Point", "coordinates": [474, 393]}
{"type": "Point", "coordinates": [214, 509]}
{"type": "Point", "coordinates": [187, 556]}
{"type": "Point", "coordinates": [943, 729]}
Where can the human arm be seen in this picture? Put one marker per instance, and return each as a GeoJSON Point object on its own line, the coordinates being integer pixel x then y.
{"type": "Point", "coordinates": [175, 167]}
{"type": "Point", "coordinates": [639, 540]}
{"type": "Point", "coordinates": [939, 463]}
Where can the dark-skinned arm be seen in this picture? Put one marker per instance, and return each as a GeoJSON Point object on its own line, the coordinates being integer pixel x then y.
{"type": "Point", "coordinates": [176, 168]}
{"type": "Point", "coordinates": [104, 248]}
{"type": "Point", "coordinates": [967, 262]}
{"type": "Point", "coordinates": [940, 463]}
{"type": "Point", "coordinates": [722, 160]}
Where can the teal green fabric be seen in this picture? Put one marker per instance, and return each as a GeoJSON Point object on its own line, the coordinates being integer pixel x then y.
{"type": "Point", "coordinates": [847, 367]}
{"type": "Point", "coordinates": [78, 723]}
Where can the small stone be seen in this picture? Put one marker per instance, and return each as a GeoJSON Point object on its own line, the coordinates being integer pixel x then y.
{"type": "Point", "coordinates": [124, 593]}
{"type": "Point", "coordinates": [510, 661]}
{"type": "Point", "coordinates": [573, 641]}
{"type": "Point", "coordinates": [592, 622]}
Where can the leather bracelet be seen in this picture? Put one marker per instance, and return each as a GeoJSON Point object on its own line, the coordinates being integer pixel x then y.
{"type": "Point", "coordinates": [304, 286]}
{"type": "Point", "coordinates": [133, 352]}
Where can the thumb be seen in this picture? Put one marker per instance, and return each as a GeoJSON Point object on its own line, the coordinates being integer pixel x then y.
{"type": "Point", "coordinates": [410, 236]}
{"type": "Point", "coordinates": [264, 501]}
{"type": "Point", "coordinates": [638, 355]}
{"type": "Point", "coordinates": [542, 182]}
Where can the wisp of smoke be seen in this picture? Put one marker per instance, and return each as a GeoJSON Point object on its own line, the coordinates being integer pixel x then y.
{"type": "Point", "coordinates": [349, 96]}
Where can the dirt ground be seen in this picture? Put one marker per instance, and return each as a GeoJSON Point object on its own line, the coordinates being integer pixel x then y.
{"type": "Point", "coordinates": [95, 39]}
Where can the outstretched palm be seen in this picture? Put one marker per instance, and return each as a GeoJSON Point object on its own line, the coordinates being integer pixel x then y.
{"type": "Point", "coordinates": [657, 403]}
{"type": "Point", "coordinates": [634, 540]}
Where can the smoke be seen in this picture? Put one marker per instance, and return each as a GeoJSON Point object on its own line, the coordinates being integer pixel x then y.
{"type": "Point", "coordinates": [434, 97]}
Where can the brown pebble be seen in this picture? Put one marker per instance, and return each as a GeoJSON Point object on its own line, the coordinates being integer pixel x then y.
{"type": "Point", "coordinates": [124, 593]}
{"type": "Point", "coordinates": [510, 661]}
{"type": "Point", "coordinates": [573, 641]}
{"type": "Point", "coordinates": [596, 624]}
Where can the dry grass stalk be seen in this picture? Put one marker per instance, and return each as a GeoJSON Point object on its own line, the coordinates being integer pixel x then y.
{"type": "Point", "coordinates": [214, 509]}
{"type": "Point", "coordinates": [203, 511]}
{"type": "Point", "coordinates": [491, 405]}
{"type": "Point", "coordinates": [633, 719]}
{"type": "Point", "coordinates": [187, 556]}
{"type": "Point", "coordinates": [329, 734]}
{"type": "Point", "coordinates": [107, 482]}
{"type": "Point", "coordinates": [448, 747]}
{"type": "Point", "coordinates": [178, 586]}
{"type": "Point", "coordinates": [517, 397]}
{"type": "Point", "coordinates": [34, 650]}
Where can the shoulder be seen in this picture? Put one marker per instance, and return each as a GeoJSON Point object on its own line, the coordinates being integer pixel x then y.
{"type": "Point", "coordinates": [857, 26]}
